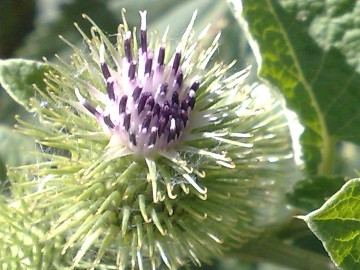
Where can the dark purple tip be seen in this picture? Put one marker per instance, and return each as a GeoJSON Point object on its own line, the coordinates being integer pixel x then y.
{"type": "Point", "coordinates": [161, 56]}
{"type": "Point", "coordinates": [142, 101]}
{"type": "Point", "coordinates": [156, 110]}
{"type": "Point", "coordinates": [105, 71]}
{"type": "Point", "coordinates": [175, 98]}
{"type": "Point", "coordinates": [127, 119]}
{"type": "Point", "coordinates": [191, 102]}
{"type": "Point", "coordinates": [161, 125]}
{"type": "Point", "coordinates": [132, 69]}
{"type": "Point", "coordinates": [195, 86]}
{"type": "Point", "coordinates": [108, 121]}
{"type": "Point", "coordinates": [175, 109]}
{"type": "Point", "coordinates": [178, 126]}
{"type": "Point", "coordinates": [163, 89]}
{"type": "Point", "coordinates": [127, 47]}
{"type": "Point", "coordinates": [143, 40]}
{"type": "Point", "coordinates": [151, 103]}
{"type": "Point", "coordinates": [132, 138]}
{"type": "Point", "coordinates": [152, 137]}
{"type": "Point", "coordinates": [148, 65]}
{"type": "Point", "coordinates": [165, 110]}
{"type": "Point", "coordinates": [180, 78]}
{"type": "Point", "coordinates": [122, 104]}
{"type": "Point", "coordinates": [184, 105]}
{"type": "Point", "coordinates": [90, 108]}
{"type": "Point", "coordinates": [184, 117]}
{"type": "Point", "coordinates": [110, 90]}
{"type": "Point", "coordinates": [137, 92]}
{"type": "Point", "coordinates": [176, 63]}
{"type": "Point", "coordinates": [146, 122]}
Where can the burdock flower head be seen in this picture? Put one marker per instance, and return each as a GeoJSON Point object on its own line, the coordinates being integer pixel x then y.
{"type": "Point", "coordinates": [150, 158]}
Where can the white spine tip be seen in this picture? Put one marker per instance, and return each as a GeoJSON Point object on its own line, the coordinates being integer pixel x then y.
{"type": "Point", "coordinates": [79, 96]}
{"type": "Point", "coordinates": [127, 35]}
{"type": "Point", "coordinates": [143, 19]}
{"type": "Point", "coordinates": [172, 124]}
{"type": "Point", "coordinates": [102, 53]}
{"type": "Point", "coordinates": [163, 40]}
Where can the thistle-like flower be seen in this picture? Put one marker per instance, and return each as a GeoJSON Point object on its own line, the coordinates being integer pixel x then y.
{"type": "Point", "coordinates": [155, 158]}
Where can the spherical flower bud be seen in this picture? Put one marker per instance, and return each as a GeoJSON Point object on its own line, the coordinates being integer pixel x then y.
{"type": "Point", "coordinates": [151, 158]}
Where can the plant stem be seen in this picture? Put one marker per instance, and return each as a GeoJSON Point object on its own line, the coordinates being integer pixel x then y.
{"type": "Point", "coordinates": [271, 250]}
{"type": "Point", "coordinates": [326, 167]}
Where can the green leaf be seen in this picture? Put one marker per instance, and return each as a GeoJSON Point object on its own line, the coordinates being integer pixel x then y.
{"type": "Point", "coordinates": [302, 47]}
{"type": "Point", "coordinates": [17, 77]}
{"type": "Point", "coordinates": [9, 108]}
{"type": "Point", "coordinates": [309, 194]}
{"type": "Point", "coordinates": [337, 225]}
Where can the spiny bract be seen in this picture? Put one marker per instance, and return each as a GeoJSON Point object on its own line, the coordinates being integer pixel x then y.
{"type": "Point", "coordinates": [149, 159]}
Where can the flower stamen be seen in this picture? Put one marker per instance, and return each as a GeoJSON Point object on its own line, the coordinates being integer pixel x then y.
{"type": "Point", "coordinates": [153, 102]}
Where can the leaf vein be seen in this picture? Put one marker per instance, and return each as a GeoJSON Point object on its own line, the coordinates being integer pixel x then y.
{"type": "Point", "coordinates": [323, 166]}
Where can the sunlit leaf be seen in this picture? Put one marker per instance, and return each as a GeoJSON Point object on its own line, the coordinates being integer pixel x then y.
{"type": "Point", "coordinates": [17, 77]}
{"type": "Point", "coordinates": [337, 225]}
{"type": "Point", "coordinates": [306, 52]}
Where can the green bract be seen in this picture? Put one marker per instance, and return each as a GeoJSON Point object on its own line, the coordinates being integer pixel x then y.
{"type": "Point", "coordinates": [191, 171]}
